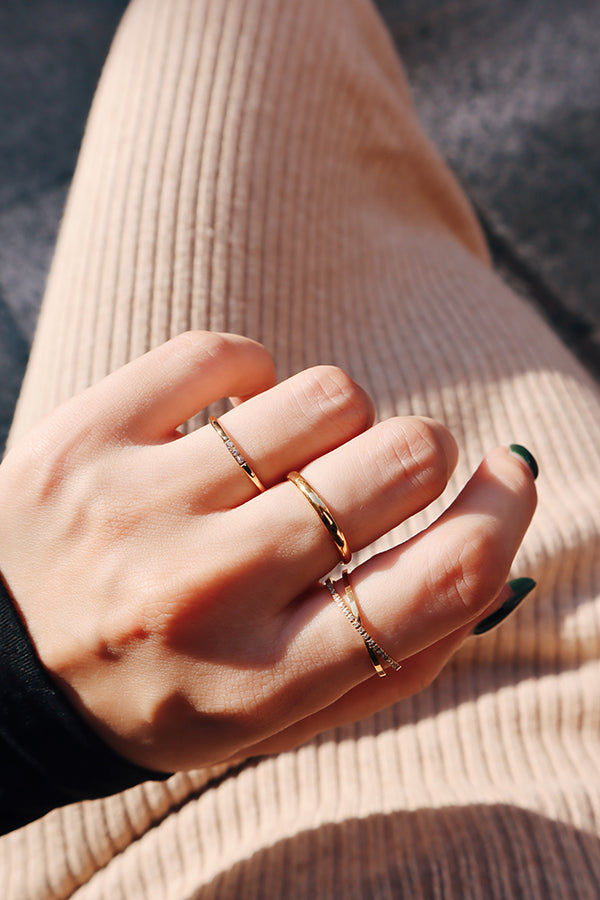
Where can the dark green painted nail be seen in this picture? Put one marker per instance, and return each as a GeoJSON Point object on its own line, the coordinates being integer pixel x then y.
{"type": "Point", "coordinates": [529, 458]}
{"type": "Point", "coordinates": [520, 587]}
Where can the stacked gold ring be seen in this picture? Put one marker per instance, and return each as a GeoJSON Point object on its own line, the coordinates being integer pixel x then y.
{"type": "Point", "coordinates": [356, 613]}
{"type": "Point", "coordinates": [324, 514]}
{"type": "Point", "coordinates": [350, 606]}
{"type": "Point", "coordinates": [353, 615]}
{"type": "Point", "coordinates": [240, 460]}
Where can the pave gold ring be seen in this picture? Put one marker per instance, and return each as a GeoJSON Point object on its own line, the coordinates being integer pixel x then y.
{"type": "Point", "coordinates": [352, 613]}
{"type": "Point", "coordinates": [240, 460]}
{"type": "Point", "coordinates": [324, 513]}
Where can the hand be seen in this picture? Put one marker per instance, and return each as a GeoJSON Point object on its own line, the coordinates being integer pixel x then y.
{"type": "Point", "coordinates": [178, 607]}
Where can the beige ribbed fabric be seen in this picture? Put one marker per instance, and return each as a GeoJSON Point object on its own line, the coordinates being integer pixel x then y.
{"type": "Point", "coordinates": [256, 166]}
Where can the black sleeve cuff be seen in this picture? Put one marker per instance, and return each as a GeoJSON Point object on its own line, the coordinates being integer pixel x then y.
{"type": "Point", "coordinates": [49, 756]}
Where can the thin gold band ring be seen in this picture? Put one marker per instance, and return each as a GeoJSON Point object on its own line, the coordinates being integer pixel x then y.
{"type": "Point", "coordinates": [324, 513]}
{"type": "Point", "coordinates": [356, 613]}
{"type": "Point", "coordinates": [373, 648]}
{"type": "Point", "coordinates": [240, 460]}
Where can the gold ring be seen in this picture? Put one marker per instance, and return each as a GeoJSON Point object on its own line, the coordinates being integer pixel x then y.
{"type": "Point", "coordinates": [353, 616]}
{"type": "Point", "coordinates": [242, 463]}
{"type": "Point", "coordinates": [324, 513]}
{"type": "Point", "coordinates": [356, 613]}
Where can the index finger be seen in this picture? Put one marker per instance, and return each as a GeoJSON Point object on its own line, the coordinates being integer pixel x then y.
{"type": "Point", "coordinates": [146, 400]}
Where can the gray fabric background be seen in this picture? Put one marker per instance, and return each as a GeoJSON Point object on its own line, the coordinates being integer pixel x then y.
{"type": "Point", "coordinates": [508, 89]}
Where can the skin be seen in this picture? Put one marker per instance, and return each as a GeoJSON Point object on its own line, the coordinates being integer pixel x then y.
{"type": "Point", "coordinates": [179, 609]}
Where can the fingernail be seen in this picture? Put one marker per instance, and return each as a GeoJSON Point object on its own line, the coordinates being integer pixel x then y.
{"type": "Point", "coordinates": [520, 587]}
{"type": "Point", "coordinates": [529, 458]}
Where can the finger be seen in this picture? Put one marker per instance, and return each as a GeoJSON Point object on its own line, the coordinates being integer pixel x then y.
{"type": "Point", "coordinates": [376, 693]}
{"type": "Point", "coordinates": [411, 597]}
{"type": "Point", "coordinates": [150, 397]}
{"type": "Point", "coordinates": [281, 429]}
{"type": "Point", "coordinates": [414, 595]}
{"type": "Point", "coordinates": [369, 484]}
{"type": "Point", "coordinates": [367, 698]}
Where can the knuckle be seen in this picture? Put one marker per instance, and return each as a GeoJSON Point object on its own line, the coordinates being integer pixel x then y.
{"type": "Point", "coordinates": [215, 345]}
{"type": "Point", "coordinates": [40, 466]}
{"type": "Point", "coordinates": [473, 572]}
{"type": "Point", "coordinates": [334, 393]}
{"type": "Point", "coordinates": [194, 348]}
{"type": "Point", "coordinates": [413, 446]}
{"type": "Point", "coordinates": [201, 344]}
{"type": "Point", "coordinates": [185, 344]}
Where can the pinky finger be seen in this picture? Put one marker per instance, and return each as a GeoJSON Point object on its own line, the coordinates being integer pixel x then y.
{"type": "Point", "coordinates": [367, 698]}
{"type": "Point", "coordinates": [416, 674]}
